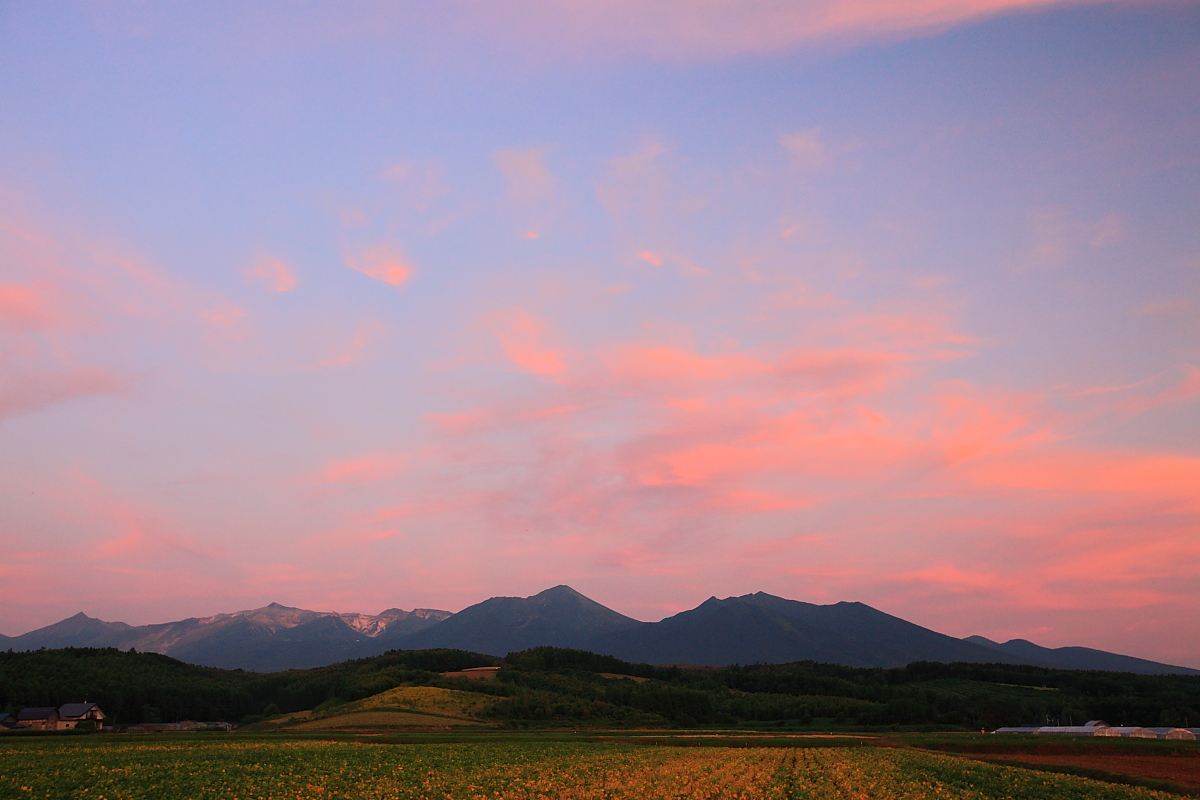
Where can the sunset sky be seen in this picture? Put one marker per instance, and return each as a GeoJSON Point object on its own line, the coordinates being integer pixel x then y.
{"type": "Point", "coordinates": [367, 305]}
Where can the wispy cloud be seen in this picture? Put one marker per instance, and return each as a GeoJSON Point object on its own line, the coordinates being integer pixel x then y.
{"type": "Point", "coordinates": [526, 174]}
{"type": "Point", "coordinates": [25, 390]}
{"type": "Point", "coordinates": [548, 32]}
{"type": "Point", "coordinates": [382, 263]}
{"type": "Point", "coordinates": [524, 339]}
{"type": "Point", "coordinates": [274, 273]}
{"type": "Point", "coordinates": [367, 468]}
{"type": "Point", "coordinates": [354, 351]}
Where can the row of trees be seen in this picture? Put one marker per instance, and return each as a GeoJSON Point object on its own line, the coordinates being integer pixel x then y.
{"type": "Point", "coordinates": [546, 685]}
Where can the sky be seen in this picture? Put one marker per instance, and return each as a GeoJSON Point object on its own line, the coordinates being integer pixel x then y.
{"type": "Point", "coordinates": [368, 305]}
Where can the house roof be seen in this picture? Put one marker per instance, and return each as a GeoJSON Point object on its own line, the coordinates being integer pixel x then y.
{"type": "Point", "coordinates": [37, 713]}
{"type": "Point", "coordinates": [75, 709]}
{"type": "Point", "coordinates": [5, 717]}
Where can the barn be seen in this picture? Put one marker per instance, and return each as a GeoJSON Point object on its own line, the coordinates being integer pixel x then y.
{"type": "Point", "coordinates": [39, 719]}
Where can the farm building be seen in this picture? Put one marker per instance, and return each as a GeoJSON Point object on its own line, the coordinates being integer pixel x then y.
{"type": "Point", "coordinates": [1175, 734]}
{"type": "Point", "coordinates": [40, 719]}
{"type": "Point", "coordinates": [9, 722]}
{"type": "Point", "coordinates": [1077, 730]}
{"type": "Point", "coordinates": [61, 719]}
{"type": "Point", "coordinates": [1097, 727]}
{"type": "Point", "coordinates": [1135, 732]}
{"type": "Point", "coordinates": [1093, 727]}
{"type": "Point", "coordinates": [70, 715]}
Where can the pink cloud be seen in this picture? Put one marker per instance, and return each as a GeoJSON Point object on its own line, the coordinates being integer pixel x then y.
{"type": "Point", "coordinates": [362, 469]}
{"type": "Point", "coordinates": [1155, 477]}
{"type": "Point", "coordinates": [419, 184]}
{"type": "Point", "coordinates": [1185, 391]}
{"type": "Point", "coordinates": [24, 308]}
{"type": "Point", "coordinates": [1165, 308]}
{"type": "Point", "coordinates": [806, 148]}
{"type": "Point", "coordinates": [226, 314]}
{"type": "Point", "coordinates": [522, 337]}
{"type": "Point", "coordinates": [526, 174]}
{"type": "Point", "coordinates": [383, 264]}
{"type": "Point", "coordinates": [273, 272]}
{"type": "Point", "coordinates": [549, 32]}
{"type": "Point", "coordinates": [653, 362]}
{"type": "Point", "coordinates": [24, 391]}
{"type": "Point", "coordinates": [554, 30]}
{"type": "Point", "coordinates": [72, 302]}
{"type": "Point", "coordinates": [843, 369]}
{"type": "Point", "coordinates": [356, 348]}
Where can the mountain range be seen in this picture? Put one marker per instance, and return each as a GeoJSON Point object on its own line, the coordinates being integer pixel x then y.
{"type": "Point", "coordinates": [753, 628]}
{"type": "Point", "coordinates": [266, 639]}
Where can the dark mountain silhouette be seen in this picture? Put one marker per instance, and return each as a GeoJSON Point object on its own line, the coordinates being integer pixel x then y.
{"type": "Point", "coordinates": [1080, 658]}
{"type": "Point", "coordinates": [77, 631]}
{"type": "Point", "coordinates": [271, 638]}
{"type": "Point", "coordinates": [768, 629]}
{"type": "Point", "coordinates": [559, 616]}
{"type": "Point", "coordinates": [753, 628]}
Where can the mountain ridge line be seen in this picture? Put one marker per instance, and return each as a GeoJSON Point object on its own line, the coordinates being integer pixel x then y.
{"type": "Point", "coordinates": [751, 628]}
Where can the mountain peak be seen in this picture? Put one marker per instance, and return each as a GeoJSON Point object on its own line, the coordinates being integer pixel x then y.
{"type": "Point", "coordinates": [562, 590]}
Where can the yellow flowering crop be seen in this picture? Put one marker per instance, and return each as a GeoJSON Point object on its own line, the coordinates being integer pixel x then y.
{"type": "Point", "coordinates": [231, 769]}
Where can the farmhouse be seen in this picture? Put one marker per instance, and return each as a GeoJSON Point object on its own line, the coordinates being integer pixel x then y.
{"type": "Point", "coordinates": [70, 715]}
{"type": "Point", "coordinates": [61, 719]}
{"type": "Point", "coordinates": [39, 719]}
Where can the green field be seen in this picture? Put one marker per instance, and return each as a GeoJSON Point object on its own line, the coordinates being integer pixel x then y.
{"type": "Point", "coordinates": [111, 768]}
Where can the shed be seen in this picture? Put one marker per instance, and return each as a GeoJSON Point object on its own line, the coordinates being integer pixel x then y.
{"type": "Point", "coordinates": [45, 719]}
{"type": "Point", "coordinates": [1175, 734]}
{"type": "Point", "coordinates": [1134, 732]}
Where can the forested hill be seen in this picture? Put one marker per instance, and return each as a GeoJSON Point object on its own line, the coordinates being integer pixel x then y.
{"type": "Point", "coordinates": [133, 687]}
{"type": "Point", "coordinates": [550, 686]}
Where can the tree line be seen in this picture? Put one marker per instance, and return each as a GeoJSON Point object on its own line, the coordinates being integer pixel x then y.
{"type": "Point", "coordinates": [547, 686]}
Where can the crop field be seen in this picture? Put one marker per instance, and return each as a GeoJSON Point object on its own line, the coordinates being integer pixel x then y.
{"type": "Point", "coordinates": [379, 718]}
{"type": "Point", "coordinates": [428, 700]}
{"type": "Point", "coordinates": [257, 769]}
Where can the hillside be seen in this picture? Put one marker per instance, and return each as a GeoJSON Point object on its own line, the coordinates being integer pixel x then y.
{"type": "Point", "coordinates": [554, 686]}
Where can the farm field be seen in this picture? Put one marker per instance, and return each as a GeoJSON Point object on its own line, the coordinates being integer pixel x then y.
{"type": "Point", "coordinates": [203, 767]}
{"type": "Point", "coordinates": [1183, 770]}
